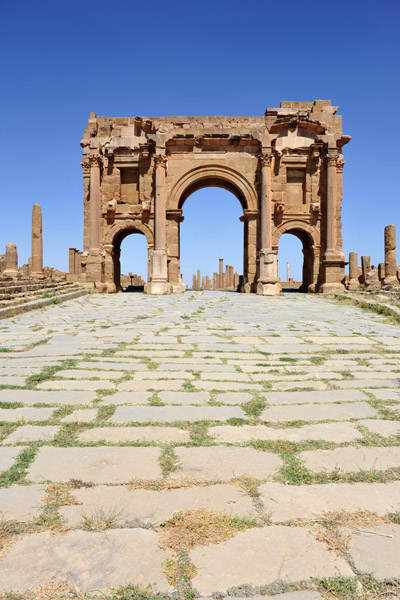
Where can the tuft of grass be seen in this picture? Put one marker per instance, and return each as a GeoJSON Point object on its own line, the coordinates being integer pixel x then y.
{"type": "Point", "coordinates": [254, 407]}
{"type": "Point", "coordinates": [179, 570]}
{"type": "Point", "coordinates": [168, 460]}
{"type": "Point", "coordinates": [101, 519]}
{"type": "Point", "coordinates": [394, 517]}
{"type": "Point", "coordinates": [293, 471]}
{"type": "Point", "coordinates": [133, 592]}
{"type": "Point", "coordinates": [189, 528]}
{"type": "Point", "coordinates": [3, 349]}
{"type": "Point", "coordinates": [345, 588]}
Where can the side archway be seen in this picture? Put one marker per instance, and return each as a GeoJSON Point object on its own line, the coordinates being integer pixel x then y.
{"type": "Point", "coordinates": [112, 247]}
{"type": "Point", "coordinates": [311, 250]}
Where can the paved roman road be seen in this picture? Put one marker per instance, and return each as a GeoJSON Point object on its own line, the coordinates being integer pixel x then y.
{"type": "Point", "coordinates": [279, 415]}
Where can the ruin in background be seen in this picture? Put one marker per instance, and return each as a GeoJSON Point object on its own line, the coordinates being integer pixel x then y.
{"type": "Point", "coordinates": [285, 168]}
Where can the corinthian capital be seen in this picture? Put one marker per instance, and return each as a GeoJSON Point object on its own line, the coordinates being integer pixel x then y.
{"type": "Point", "coordinates": [85, 164]}
{"type": "Point", "coordinates": [95, 160]}
{"type": "Point", "coordinates": [265, 159]}
{"type": "Point", "coordinates": [332, 160]}
{"type": "Point", "coordinates": [160, 160]}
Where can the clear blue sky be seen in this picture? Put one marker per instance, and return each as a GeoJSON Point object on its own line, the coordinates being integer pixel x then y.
{"type": "Point", "coordinates": [61, 59]}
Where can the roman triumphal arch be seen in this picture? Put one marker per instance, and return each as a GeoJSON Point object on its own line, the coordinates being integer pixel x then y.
{"type": "Point", "coordinates": [285, 168]}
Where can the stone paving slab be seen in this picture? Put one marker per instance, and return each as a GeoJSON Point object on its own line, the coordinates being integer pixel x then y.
{"type": "Point", "coordinates": [148, 506]}
{"type": "Point", "coordinates": [184, 397]}
{"type": "Point", "coordinates": [46, 397]}
{"type": "Point", "coordinates": [225, 377]}
{"type": "Point", "coordinates": [295, 385]}
{"type": "Point", "coordinates": [111, 366]}
{"type": "Point", "coordinates": [81, 416]}
{"type": "Point", "coordinates": [234, 397]}
{"type": "Point", "coordinates": [20, 502]}
{"type": "Point", "coordinates": [197, 364]}
{"type": "Point", "coordinates": [225, 463]}
{"type": "Point", "coordinates": [286, 502]}
{"type": "Point", "coordinates": [97, 465]}
{"type": "Point", "coordinates": [387, 394]}
{"type": "Point", "coordinates": [32, 433]}
{"type": "Point", "coordinates": [319, 412]}
{"type": "Point", "coordinates": [151, 384]}
{"type": "Point", "coordinates": [330, 432]}
{"type": "Point", "coordinates": [310, 397]}
{"type": "Point", "coordinates": [169, 414]}
{"type": "Point", "coordinates": [133, 434]}
{"type": "Point", "coordinates": [163, 375]}
{"type": "Point", "coordinates": [352, 459]}
{"type": "Point", "coordinates": [92, 561]}
{"type": "Point", "coordinates": [13, 415]}
{"type": "Point", "coordinates": [8, 457]}
{"type": "Point", "coordinates": [12, 380]}
{"type": "Point", "coordinates": [225, 386]}
{"type": "Point", "coordinates": [378, 553]}
{"type": "Point", "coordinates": [262, 556]}
{"type": "Point", "coordinates": [127, 398]}
{"type": "Point", "coordinates": [88, 374]}
{"type": "Point", "coordinates": [382, 427]}
{"type": "Point", "coordinates": [367, 383]}
{"type": "Point", "coordinates": [66, 384]}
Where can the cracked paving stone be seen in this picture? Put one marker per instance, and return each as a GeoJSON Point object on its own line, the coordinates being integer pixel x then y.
{"type": "Point", "coordinates": [133, 434]}
{"type": "Point", "coordinates": [21, 502]}
{"type": "Point", "coordinates": [148, 506]}
{"type": "Point", "coordinates": [330, 432]}
{"type": "Point", "coordinates": [46, 397]}
{"type": "Point", "coordinates": [377, 553]}
{"type": "Point", "coordinates": [32, 433]}
{"type": "Point", "coordinates": [222, 463]}
{"type": "Point", "coordinates": [98, 465]}
{"type": "Point", "coordinates": [352, 459]}
{"type": "Point", "coordinates": [169, 414]}
{"type": "Point", "coordinates": [8, 456]}
{"type": "Point", "coordinates": [319, 412]}
{"type": "Point", "coordinates": [262, 556]}
{"type": "Point", "coordinates": [92, 561]}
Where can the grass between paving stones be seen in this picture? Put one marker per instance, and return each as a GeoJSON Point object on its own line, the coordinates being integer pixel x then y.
{"type": "Point", "coordinates": [168, 460]}
{"type": "Point", "coordinates": [189, 528]}
{"type": "Point", "coordinates": [179, 570]}
{"type": "Point", "coordinates": [255, 406]}
{"type": "Point", "coordinates": [17, 473]}
{"type": "Point", "coordinates": [49, 372]}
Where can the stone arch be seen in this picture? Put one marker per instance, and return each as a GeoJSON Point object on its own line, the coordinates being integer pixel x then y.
{"type": "Point", "coordinates": [112, 246]}
{"type": "Point", "coordinates": [213, 176]}
{"type": "Point", "coordinates": [310, 238]}
{"type": "Point", "coordinates": [233, 181]}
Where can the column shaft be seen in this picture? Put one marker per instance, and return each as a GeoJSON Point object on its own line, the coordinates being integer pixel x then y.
{"type": "Point", "coordinates": [160, 204]}
{"type": "Point", "coordinates": [37, 241]}
{"type": "Point", "coordinates": [95, 204]}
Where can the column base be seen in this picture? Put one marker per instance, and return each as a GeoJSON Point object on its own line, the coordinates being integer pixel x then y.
{"type": "Point", "coordinates": [39, 275]}
{"type": "Point", "coordinates": [332, 288]}
{"type": "Point", "coordinates": [333, 272]}
{"type": "Point", "coordinates": [158, 273]}
{"type": "Point", "coordinates": [392, 281]}
{"type": "Point", "coordinates": [178, 288]}
{"type": "Point", "coordinates": [94, 271]}
{"type": "Point", "coordinates": [268, 289]}
{"type": "Point", "coordinates": [268, 283]}
{"type": "Point", "coordinates": [352, 285]}
{"type": "Point", "coordinates": [10, 273]}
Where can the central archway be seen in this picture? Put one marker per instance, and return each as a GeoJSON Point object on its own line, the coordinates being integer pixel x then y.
{"type": "Point", "coordinates": [216, 176]}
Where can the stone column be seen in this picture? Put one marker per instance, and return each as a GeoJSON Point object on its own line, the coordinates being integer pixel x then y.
{"type": "Point", "coordinates": [268, 283]}
{"type": "Point", "coordinates": [159, 269]}
{"type": "Point", "coordinates": [287, 271]}
{"type": "Point", "coordinates": [37, 242]}
{"type": "Point", "coordinates": [109, 269]}
{"type": "Point", "coordinates": [353, 271]}
{"type": "Point", "coordinates": [95, 260]}
{"type": "Point", "coordinates": [390, 256]}
{"type": "Point", "coordinates": [198, 280]}
{"type": "Point", "coordinates": [221, 274]}
{"type": "Point", "coordinates": [71, 261]}
{"type": "Point", "coordinates": [334, 259]}
{"type": "Point", "coordinates": [11, 269]}
{"type": "Point", "coordinates": [366, 267]}
{"type": "Point", "coordinates": [174, 218]}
